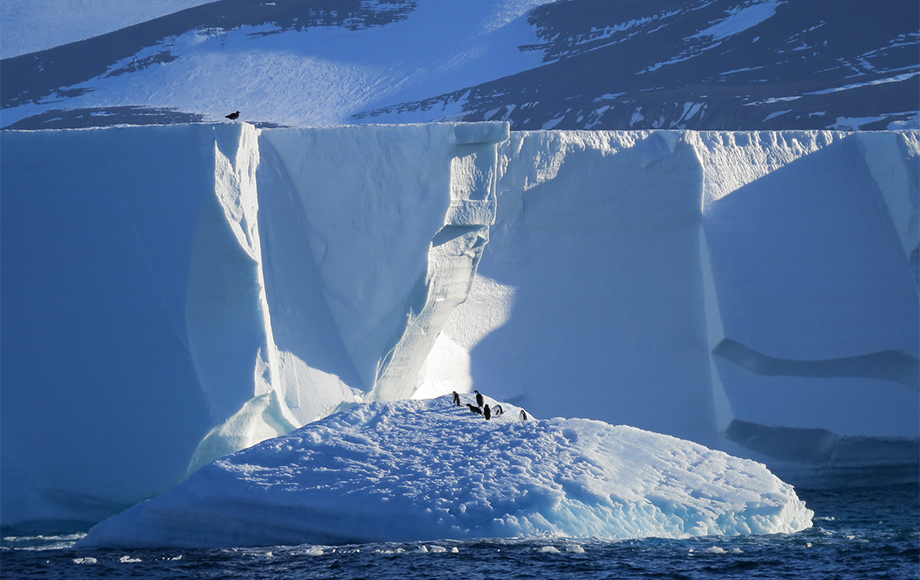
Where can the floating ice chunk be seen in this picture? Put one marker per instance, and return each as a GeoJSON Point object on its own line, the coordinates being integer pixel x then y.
{"type": "Point", "coordinates": [84, 560]}
{"type": "Point", "coordinates": [574, 548]}
{"type": "Point", "coordinates": [550, 550]}
{"type": "Point", "coordinates": [129, 560]}
{"type": "Point", "coordinates": [416, 469]}
{"type": "Point", "coordinates": [437, 549]}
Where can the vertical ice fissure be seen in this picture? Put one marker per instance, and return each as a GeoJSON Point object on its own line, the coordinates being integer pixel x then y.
{"type": "Point", "coordinates": [247, 407]}
{"type": "Point", "coordinates": [453, 258]}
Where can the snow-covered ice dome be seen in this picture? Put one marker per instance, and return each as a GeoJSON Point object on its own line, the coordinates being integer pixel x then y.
{"type": "Point", "coordinates": [426, 469]}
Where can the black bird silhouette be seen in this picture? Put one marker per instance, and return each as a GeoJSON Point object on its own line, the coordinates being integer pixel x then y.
{"type": "Point", "coordinates": [523, 415]}
{"type": "Point", "coordinates": [456, 399]}
{"type": "Point", "coordinates": [479, 399]}
{"type": "Point", "coordinates": [233, 116]}
{"type": "Point", "coordinates": [487, 413]}
{"type": "Point", "coordinates": [474, 409]}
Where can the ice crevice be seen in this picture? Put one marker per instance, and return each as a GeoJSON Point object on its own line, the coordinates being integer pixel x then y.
{"type": "Point", "coordinates": [453, 257]}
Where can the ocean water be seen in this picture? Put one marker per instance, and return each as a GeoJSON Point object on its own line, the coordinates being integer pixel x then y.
{"type": "Point", "coordinates": [858, 533]}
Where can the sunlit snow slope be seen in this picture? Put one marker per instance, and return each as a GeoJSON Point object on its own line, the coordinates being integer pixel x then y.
{"type": "Point", "coordinates": [423, 470]}
{"type": "Point", "coordinates": [578, 64]}
{"type": "Point", "coordinates": [171, 294]}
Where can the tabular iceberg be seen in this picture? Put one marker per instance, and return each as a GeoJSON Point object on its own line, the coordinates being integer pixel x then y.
{"type": "Point", "coordinates": [421, 470]}
{"type": "Point", "coordinates": [172, 294]}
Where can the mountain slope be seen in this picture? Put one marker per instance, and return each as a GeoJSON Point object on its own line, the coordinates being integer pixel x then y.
{"type": "Point", "coordinates": [712, 65]}
{"type": "Point", "coordinates": [573, 64]}
{"type": "Point", "coordinates": [27, 26]}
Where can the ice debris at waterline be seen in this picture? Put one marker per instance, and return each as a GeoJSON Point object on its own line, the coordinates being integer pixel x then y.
{"type": "Point", "coordinates": [428, 469]}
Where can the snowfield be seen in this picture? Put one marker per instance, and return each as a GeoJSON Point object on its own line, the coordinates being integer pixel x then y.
{"type": "Point", "coordinates": [581, 64]}
{"type": "Point", "coordinates": [425, 470]}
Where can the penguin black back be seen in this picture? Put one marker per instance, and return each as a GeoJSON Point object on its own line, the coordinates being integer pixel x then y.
{"type": "Point", "coordinates": [487, 413]}
{"type": "Point", "coordinates": [474, 409]}
{"type": "Point", "coordinates": [523, 415]}
{"type": "Point", "coordinates": [497, 410]}
{"type": "Point", "coordinates": [456, 399]}
{"type": "Point", "coordinates": [479, 399]}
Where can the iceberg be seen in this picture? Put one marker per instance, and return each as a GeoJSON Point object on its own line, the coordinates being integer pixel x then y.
{"type": "Point", "coordinates": [173, 294]}
{"type": "Point", "coordinates": [427, 469]}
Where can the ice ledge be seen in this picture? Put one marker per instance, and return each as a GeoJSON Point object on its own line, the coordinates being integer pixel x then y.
{"type": "Point", "coordinates": [820, 458]}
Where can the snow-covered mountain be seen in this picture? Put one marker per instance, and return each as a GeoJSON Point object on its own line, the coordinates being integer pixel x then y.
{"type": "Point", "coordinates": [171, 294]}
{"type": "Point", "coordinates": [27, 26]}
{"type": "Point", "coordinates": [575, 64]}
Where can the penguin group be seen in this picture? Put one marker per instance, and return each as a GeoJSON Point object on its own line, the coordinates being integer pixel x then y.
{"type": "Point", "coordinates": [481, 408]}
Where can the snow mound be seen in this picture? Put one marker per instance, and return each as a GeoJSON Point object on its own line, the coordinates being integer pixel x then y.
{"type": "Point", "coordinates": [426, 469]}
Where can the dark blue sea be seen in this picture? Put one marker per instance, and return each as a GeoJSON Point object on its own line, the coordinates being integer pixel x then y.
{"type": "Point", "coordinates": [858, 533]}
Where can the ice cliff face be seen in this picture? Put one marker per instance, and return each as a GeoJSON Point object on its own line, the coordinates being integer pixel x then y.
{"type": "Point", "coordinates": [172, 294]}
{"type": "Point", "coordinates": [222, 290]}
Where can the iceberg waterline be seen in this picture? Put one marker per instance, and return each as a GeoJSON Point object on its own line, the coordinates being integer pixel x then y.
{"type": "Point", "coordinates": [427, 469]}
{"type": "Point", "coordinates": [202, 287]}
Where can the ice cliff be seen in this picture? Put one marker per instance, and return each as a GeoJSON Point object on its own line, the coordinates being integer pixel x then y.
{"type": "Point", "coordinates": [174, 293]}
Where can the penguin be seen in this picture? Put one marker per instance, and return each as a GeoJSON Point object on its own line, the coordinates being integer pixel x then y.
{"type": "Point", "coordinates": [487, 413]}
{"type": "Point", "coordinates": [497, 410]}
{"type": "Point", "coordinates": [474, 409]}
{"type": "Point", "coordinates": [233, 116]}
{"type": "Point", "coordinates": [523, 415]}
{"type": "Point", "coordinates": [479, 399]}
{"type": "Point", "coordinates": [456, 399]}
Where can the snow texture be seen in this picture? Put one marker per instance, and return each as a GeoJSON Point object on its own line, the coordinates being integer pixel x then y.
{"type": "Point", "coordinates": [425, 470]}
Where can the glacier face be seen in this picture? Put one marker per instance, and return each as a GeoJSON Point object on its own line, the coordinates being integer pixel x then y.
{"type": "Point", "coordinates": [171, 294]}
{"type": "Point", "coordinates": [172, 290]}
{"type": "Point", "coordinates": [105, 381]}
